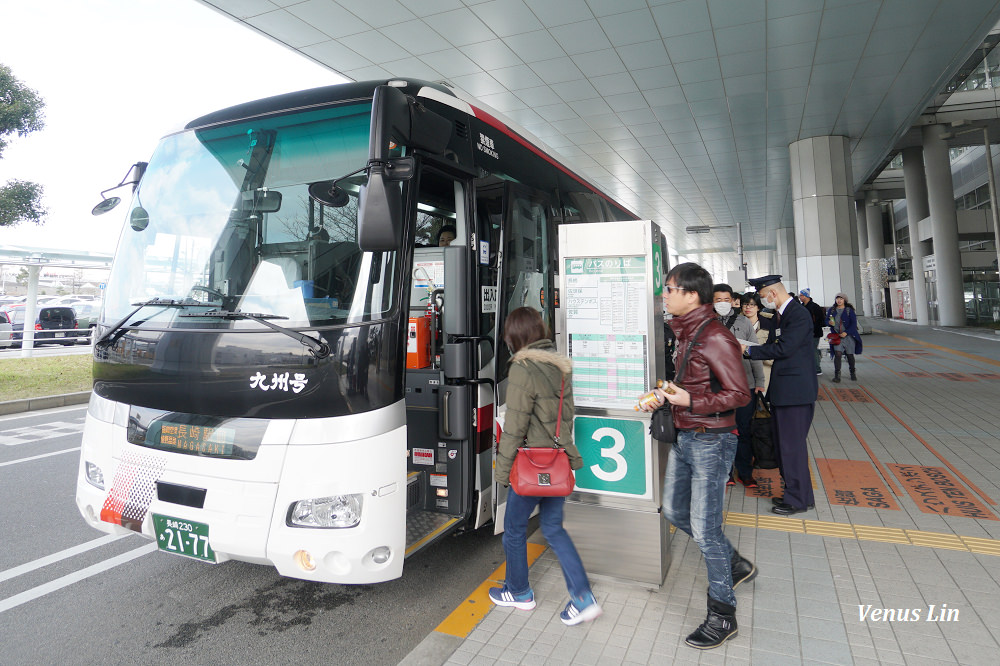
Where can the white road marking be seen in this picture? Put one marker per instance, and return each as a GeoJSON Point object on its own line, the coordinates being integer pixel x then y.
{"type": "Point", "coordinates": [75, 577]}
{"type": "Point", "coordinates": [61, 555]}
{"type": "Point", "coordinates": [43, 455]}
{"type": "Point", "coordinates": [38, 433]}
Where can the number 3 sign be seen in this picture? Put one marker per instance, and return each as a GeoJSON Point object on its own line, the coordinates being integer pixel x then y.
{"type": "Point", "coordinates": [615, 456]}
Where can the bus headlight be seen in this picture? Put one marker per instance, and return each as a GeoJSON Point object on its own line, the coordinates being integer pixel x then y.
{"type": "Point", "coordinates": [338, 511]}
{"type": "Point", "coordinates": [95, 476]}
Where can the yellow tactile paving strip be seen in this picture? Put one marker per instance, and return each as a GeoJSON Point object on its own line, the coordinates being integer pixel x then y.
{"type": "Point", "coordinates": [464, 619]}
{"type": "Point", "coordinates": [866, 533]}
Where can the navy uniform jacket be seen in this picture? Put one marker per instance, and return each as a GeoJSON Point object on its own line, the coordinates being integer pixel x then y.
{"type": "Point", "coordinates": [793, 375]}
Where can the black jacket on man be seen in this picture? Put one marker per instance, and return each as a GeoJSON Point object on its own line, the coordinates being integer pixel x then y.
{"type": "Point", "coordinates": [793, 375]}
{"type": "Point", "coordinates": [818, 317]}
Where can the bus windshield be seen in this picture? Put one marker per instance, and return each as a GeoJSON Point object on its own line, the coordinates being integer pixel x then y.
{"type": "Point", "coordinates": [222, 220]}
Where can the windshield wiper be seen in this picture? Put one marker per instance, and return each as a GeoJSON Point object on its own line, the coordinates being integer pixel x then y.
{"type": "Point", "coordinates": [106, 341]}
{"type": "Point", "coordinates": [317, 348]}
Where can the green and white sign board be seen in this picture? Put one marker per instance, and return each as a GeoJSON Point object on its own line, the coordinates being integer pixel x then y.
{"type": "Point", "coordinates": [607, 307]}
{"type": "Point", "coordinates": [617, 457]}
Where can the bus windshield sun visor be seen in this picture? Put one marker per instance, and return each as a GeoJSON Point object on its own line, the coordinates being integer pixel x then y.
{"type": "Point", "coordinates": [317, 348]}
{"type": "Point", "coordinates": [109, 338]}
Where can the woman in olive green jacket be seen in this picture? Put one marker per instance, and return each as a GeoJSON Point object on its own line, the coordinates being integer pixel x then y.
{"type": "Point", "coordinates": [538, 376]}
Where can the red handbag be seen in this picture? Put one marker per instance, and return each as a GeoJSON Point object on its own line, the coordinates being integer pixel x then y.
{"type": "Point", "coordinates": [543, 471]}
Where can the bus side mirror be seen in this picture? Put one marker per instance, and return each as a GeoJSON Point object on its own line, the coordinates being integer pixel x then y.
{"type": "Point", "coordinates": [397, 120]}
{"type": "Point", "coordinates": [380, 205]}
{"type": "Point", "coordinates": [380, 213]}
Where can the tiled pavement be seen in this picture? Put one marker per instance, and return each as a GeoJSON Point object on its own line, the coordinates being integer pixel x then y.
{"type": "Point", "coordinates": [933, 398]}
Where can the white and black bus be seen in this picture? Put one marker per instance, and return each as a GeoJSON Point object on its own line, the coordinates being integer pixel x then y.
{"type": "Point", "coordinates": [290, 368]}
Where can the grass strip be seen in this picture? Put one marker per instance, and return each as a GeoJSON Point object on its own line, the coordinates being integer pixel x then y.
{"type": "Point", "coordinates": [44, 376]}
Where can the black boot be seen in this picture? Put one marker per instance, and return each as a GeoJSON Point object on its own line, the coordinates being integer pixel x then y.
{"type": "Point", "coordinates": [718, 627]}
{"type": "Point", "coordinates": [837, 359]}
{"type": "Point", "coordinates": [850, 365]}
{"type": "Point", "coordinates": [743, 569]}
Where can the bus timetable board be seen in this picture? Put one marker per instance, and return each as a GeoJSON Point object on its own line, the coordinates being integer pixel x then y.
{"type": "Point", "coordinates": [606, 321]}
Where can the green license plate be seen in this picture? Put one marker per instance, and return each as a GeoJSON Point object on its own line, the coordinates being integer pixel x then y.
{"type": "Point", "coordinates": [183, 537]}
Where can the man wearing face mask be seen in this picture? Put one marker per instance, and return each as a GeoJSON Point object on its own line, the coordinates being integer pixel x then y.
{"type": "Point", "coordinates": [741, 329]}
{"type": "Point", "coordinates": [792, 391]}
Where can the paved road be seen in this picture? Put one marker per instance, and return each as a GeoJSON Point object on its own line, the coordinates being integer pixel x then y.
{"type": "Point", "coordinates": [96, 599]}
{"type": "Point", "coordinates": [47, 350]}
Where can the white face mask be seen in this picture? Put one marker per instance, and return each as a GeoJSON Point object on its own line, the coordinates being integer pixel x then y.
{"type": "Point", "coordinates": [769, 304]}
{"type": "Point", "coordinates": [723, 308]}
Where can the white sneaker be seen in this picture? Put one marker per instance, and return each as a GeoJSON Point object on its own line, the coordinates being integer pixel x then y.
{"type": "Point", "coordinates": [574, 615]}
{"type": "Point", "coordinates": [502, 596]}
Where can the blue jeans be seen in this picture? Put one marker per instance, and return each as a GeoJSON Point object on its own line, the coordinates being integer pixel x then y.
{"type": "Point", "coordinates": [694, 489]}
{"type": "Point", "coordinates": [515, 540]}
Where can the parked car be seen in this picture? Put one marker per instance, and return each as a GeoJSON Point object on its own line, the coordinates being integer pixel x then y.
{"type": "Point", "coordinates": [6, 335]}
{"type": "Point", "coordinates": [55, 324]}
{"type": "Point", "coordinates": [87, 315]}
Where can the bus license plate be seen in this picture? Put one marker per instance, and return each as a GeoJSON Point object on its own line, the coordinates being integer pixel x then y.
{"type": "Point", "coordinates": [183, 537]}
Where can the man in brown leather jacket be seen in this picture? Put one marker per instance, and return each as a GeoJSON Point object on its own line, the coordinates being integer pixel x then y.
{"type": "Point", "coordinates": [710, 370]}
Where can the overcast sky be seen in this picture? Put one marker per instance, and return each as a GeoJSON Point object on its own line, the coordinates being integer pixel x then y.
{"type": "Point", "coordinates": [116, 75]}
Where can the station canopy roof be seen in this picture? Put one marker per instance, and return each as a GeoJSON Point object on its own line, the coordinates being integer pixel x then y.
{"type": "Point", "coordinates": [681, 110]}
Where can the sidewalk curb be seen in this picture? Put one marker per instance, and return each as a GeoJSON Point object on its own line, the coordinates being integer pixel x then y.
{"type": "Point", "coordinates": [47, 402]}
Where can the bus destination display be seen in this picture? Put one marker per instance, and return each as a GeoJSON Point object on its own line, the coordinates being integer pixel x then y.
{"type": "Point", "coordinates": [188, 438]}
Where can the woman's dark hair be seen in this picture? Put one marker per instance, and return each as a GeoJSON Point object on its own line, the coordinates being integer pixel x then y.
{"type": "Point", "coordinates": [690, 276]}
{"type": "Point", "coordinates": [523, 326]}
{"type": "Point", "coordinates": [752, 297]}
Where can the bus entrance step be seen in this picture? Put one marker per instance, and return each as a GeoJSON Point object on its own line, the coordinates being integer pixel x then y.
{"type": "Point", "coordinates": [425, 527]}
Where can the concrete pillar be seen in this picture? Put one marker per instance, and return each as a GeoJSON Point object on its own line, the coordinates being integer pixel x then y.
{"type": "Point", "coordinates": [30, 312]}
{"type": "Point", "coordinates": [916, 210]}
{"type": "Point", "coordinates": [861, 229]}
{"type": "Point", "coordinates": [876, 248]}
{"type": "Point", "coordinates": [944, 224]}
{"type": "Point", "coordinates": [785, 252]}
{"type": "Point", "coordinates": [826, 240]}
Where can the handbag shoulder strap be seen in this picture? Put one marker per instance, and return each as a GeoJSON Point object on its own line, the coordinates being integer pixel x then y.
{"type": "Point", "coordinates": [687, 352]}
{"type": "Point", "coordinates": [562, 389]}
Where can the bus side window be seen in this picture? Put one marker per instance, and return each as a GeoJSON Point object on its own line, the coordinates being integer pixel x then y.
{"type": "Point", "coordinates": [440, 209]}
{"type": "Point", "coordinates": [489, 219]}
{"type": "Point", "coordinates": [527, 268]}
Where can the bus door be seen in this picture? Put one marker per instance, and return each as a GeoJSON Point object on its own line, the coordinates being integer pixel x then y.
{"type": "Point", "coordinates": [439, 414]}
{"type": "Point", "coordinates": [526, 278]}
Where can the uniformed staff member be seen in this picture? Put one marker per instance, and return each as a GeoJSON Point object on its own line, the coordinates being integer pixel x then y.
{"type": "Point", "coordinates": [792, 391]}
